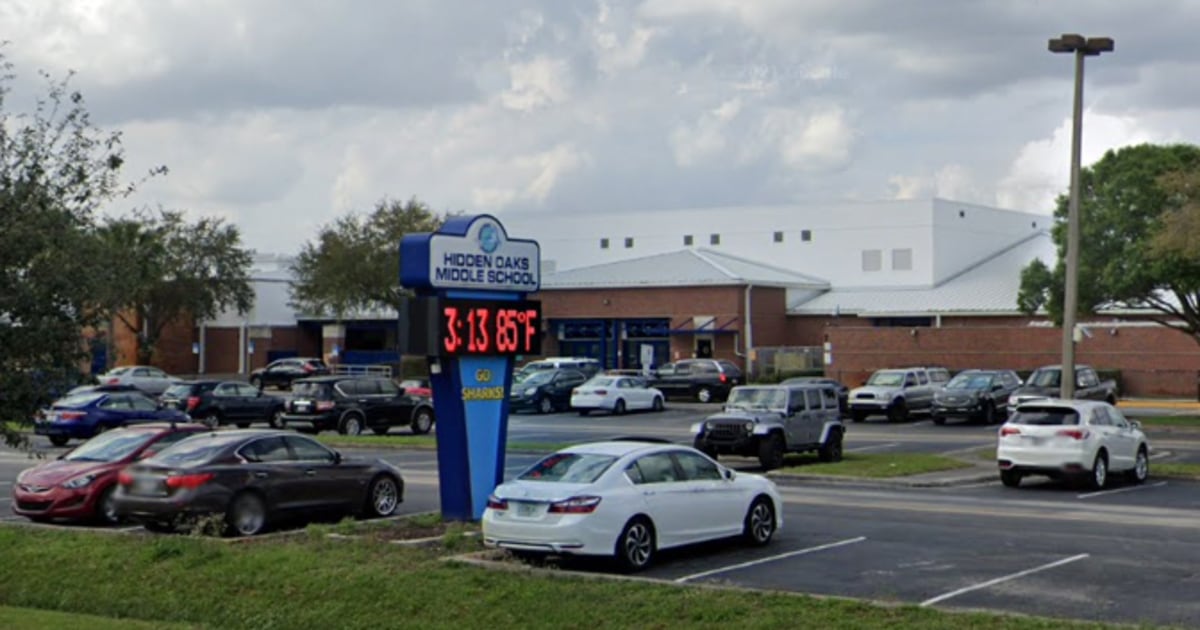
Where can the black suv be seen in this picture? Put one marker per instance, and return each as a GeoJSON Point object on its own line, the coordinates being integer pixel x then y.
{"type": "Point", "coordinates": [351, 404]}
{"type": "Point", "coordinates": [705, 380]}
{"type": "Point", "coordinates": [544, 391]}
{"type": "Point", "coordinates": [215, 403]}
{"type": "Point", "coordinates": [281, 373]}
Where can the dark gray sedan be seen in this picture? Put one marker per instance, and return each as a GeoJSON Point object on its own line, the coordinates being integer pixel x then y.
{"type": "Point", "coordinates": [253, 478]}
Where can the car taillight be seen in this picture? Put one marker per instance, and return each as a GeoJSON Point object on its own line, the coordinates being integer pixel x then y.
{"type": "Point", "coordinates": [496, 503]}
{"type": "Point", "coordinates": [113, 381]}
{"type": "Point", "coordinates": [194, 480]}
{"type": "Point", "coordinates": [575, 505]}
{"type": "Point", "coordinates": [308, 368]}
{"type": "Point", "coordinates": [1009, 431]}
{"type": "Point", "coordinates": [124, 478]}
{"type": "Point", "coordinates": [324, 405]}
{"type": "Point", "coordinates": [724, 379]}
{"type": "Point", "coordinates": [1074, 434]}
{"type": "Point", "coordinates": [193, 402]}
{"type": "Point", "coordinates": [70, 415]}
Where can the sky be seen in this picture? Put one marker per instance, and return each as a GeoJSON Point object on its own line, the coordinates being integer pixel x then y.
{"type": "Point", "coordinates": [282, 115]}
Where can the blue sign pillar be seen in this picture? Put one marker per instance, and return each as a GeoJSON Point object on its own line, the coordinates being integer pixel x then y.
{"type": "Point", "coordinates": [470, 319]}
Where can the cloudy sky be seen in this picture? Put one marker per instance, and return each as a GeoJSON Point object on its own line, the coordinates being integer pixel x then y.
{"type": "Point", "coordinates": [281, 115]}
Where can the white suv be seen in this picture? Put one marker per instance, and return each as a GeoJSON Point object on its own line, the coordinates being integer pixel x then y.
{"type": "Point", "coordinates": [590, 367]}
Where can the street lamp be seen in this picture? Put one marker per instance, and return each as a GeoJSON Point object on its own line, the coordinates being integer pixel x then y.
{"type": "Point", "coordinates": [1082, 47]}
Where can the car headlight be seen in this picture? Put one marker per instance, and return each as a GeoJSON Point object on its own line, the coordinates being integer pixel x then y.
{"type": "Point", "coordinates": [708, 426]}
{"type": "Point", "coordinates": [1013, 400]}
{"type": "Point", "coordinates": [749, 426]}
{"type": "Point", "coordinates": [530, 391]}
{"type": "Point", "coordinates": [79, 482]}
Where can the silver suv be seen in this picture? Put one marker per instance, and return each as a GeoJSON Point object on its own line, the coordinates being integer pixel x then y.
{"type": "Point", "coordinates": [896, 393]}
{"type": "Point", "coordinates": [768, 421]}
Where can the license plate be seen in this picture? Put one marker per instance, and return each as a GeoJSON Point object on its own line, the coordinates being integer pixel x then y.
{"type": "Point", "coordinates": [527, 509]}
{"type": "Point", "coordinates": [1032, 439]}
{"type": "Point", "coordinates": [301, 405]}
{"type": "Point", "coordinates": [147, 486]}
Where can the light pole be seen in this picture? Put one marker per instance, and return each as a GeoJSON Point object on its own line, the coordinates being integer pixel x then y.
{"type": "Point", "coordinates": [1082, 47]}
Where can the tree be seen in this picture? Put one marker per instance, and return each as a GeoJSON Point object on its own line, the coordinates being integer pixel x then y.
{"type": "Point", "coordinates": [355, 262]}
{"type": "Point", "coordinates": [56, 170]}
{"type": "Point", "coordinates": [1134, 204]}
{"type": "Point", "coordinates": [161, 269]}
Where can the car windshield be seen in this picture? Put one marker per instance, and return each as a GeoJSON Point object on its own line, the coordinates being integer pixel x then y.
{"type": "Point", "coordinates": [80, 400]}
{"type": "Point", "coordinates": [119, 371]}
{"type": "Point", "coordinates": [177, 391]}
{"type": "Point", "coordinates": [569, 468]}
{"type": "Point", "coordinates": [756, 398]}
{"type": "Point", "coordinates": [1044, 416]}
{"type": "Point", "coordinates": [535, 378]}
{"type": "Point", "coordinates": [309, 390]}
{"type": "Point", "coordinates": [887, 379]}
{"type": "Point", "coordinates": [1046, 378]}
{"type": "Point", "coordinates": [970, 381]}
{"type": "Point", "coordinates": [110, 447]}
{"type": "Point", "coordinates": [193, 451]}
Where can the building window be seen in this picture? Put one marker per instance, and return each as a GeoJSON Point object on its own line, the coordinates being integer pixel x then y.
{"type": "Point", "coordinates": [714, 239]}
{"type": "Point", "coordinates": [628, 242]}
{"type": "Point", "coordinates": [688, 240]}
{"type": "Point", "coordinates": [902, 260]}
{"type": "Point", "coordinates": [806, 235]}
{"type": "Point", "coordinates": [779, 237]}
{"type": "Point", "coordinates": [603, 243]}
{"type": "Point", "coordinates": [872, 260]}
{"type": "Point", "coordinates": [962, 214]}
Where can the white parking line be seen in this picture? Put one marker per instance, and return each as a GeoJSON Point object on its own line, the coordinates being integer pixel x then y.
{"type": "Point", "coordinates": [872, 447]}
{"type": "Point", "coordinates": [798, 552]}
{"type": "Point", "coordinates": [6, 483]}
{"type": "Point", "coordinates": [1012, 576]}
{"type": "Point", "coordinates": [1098, 493]}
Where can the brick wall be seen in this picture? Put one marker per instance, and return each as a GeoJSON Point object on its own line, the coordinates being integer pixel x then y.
{"type": "Point", "coordinates": [173, 354]}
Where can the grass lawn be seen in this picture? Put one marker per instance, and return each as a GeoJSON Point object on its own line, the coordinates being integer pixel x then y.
{"type": "Point", "coordinates": [873, 465]}
{"type": "Point", "coordinates": [1170, 421]}
{"type": "Point", "coordinates": [35, 619]}
{"type": "Point", "coordinates": [1175, 470]}
{"type": "Point", "coordinates": [420, 442]}
{"type": "Point", "coordinates": [312, 581]}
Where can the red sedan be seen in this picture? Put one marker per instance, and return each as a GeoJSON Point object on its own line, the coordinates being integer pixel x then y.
{"type": "Point", "coordinates": [80, 483]}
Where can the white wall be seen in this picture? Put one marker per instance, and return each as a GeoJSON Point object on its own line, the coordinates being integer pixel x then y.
{"type": "Point", "coordinates": [269, 276]}
{"type": "Point", "coordinates": [964, 234]}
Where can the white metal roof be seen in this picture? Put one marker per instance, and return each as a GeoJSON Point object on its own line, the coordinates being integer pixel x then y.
{"type": "Point", "coordinates": [988, 287]}
{"type": "Point", "coordinates": [685, 267]}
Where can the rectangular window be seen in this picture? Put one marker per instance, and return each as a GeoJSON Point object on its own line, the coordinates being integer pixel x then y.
{"type": "Point", "coordinates": [628, 242]}
{"type": "Point", "coordinates": [872, 260]}
{"type": "Point", "coordinates": [806, 235]}
{"type": "Point", "coordinates": [603, 243]}
{"type": "Point", "coordinates": [714, 239]}
{"type": "Point", "coordinates": [902, 259]}
{"type": "Point", "coordinates": [688, 240]}
{"type": "Point", "coordinates": [779, 237]}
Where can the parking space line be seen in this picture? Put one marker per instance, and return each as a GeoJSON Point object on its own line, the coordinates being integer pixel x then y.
{"type": "Point", "coordinates": [5, 483]}
{"type": "Point", "coordinates": [1098, 493]}
{"type": "Point", "coordinates": [1012, 576]}
{"type": "Point", "coordinates": [798, 552]}
{"type": "Point", "coordinates": [872, 447]}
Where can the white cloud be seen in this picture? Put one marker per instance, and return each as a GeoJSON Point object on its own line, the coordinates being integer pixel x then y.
{"type": "Point", "coordinates": [905, 187]}
{"type": "Point", "coordinates": [811, 142]}
{"type": "Point", "coordinates": [705, 138]}
{"type": "Point", "coordinates": [537, 83]}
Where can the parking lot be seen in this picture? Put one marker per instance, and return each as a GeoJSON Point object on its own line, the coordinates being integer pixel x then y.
{"type": "Point", "coordinates": [1126, 554]}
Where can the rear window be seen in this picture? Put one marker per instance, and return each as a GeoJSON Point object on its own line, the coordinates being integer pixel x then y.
{"type": "Point", "coordinates": [79, 400]}
{"type": "Point", "coordinates": [310, 390]}
{"type": "Point", "coordinates": [192, 452]}
{"type": "Point", "coordinates": [569, 468]}
{"type": "Point", "coordinates": [1044, 416]}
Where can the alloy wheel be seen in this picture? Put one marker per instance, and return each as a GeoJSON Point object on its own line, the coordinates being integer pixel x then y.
{"type": "Point", "coordinates": [384, 496]}
{"type": "Point", "coordinates": [1141, 468]}
{"type": "Point", "coordinates": [352, 426]}
{"type": "Point", "coordinates": [249, 515]}
{"type": "Point", "coordinates": [637, 545]}
{"type": "Point", "coordinates": [762, 522]}
{"type": "Point", "coordinates": [1100, 471]}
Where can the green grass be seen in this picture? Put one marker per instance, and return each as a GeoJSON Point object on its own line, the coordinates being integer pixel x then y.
{"type": "Point", "coordinates": [1170, 421]}
{"type": "Point", "coordinates": [1175, 470]}
{"type": "Point", "coordinates": [317, 582]}
{"type": "Point", "coordinates": [421, 442]}
{"type": "Point", "coordinates": [875, 466]}
{"type": "Point", "coordinates": [34, 619]}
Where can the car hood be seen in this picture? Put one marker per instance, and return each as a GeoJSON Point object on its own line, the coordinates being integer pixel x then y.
{"type": "Point", "coordinates": [878, 390]}
{"type": "Point", "coordinates": [547, 491]}
{"type": "Point", "coordinates": [746, 415]}
{"type": "Point", "coordinates": [58, 471]}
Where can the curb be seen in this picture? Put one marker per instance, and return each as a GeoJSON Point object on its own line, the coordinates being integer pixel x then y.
{"type": "Point", "coordinates": [796, 479]}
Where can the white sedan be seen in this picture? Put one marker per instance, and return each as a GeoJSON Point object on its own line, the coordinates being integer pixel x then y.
{"type": "Point", "coordinates": [1069, 438]}
{"type": "Point", "coordinates": [627, 500]}
{"type": "Point", "coordinates": [150, 380]}
{"type": "Point", "coordinates": [616, 394]}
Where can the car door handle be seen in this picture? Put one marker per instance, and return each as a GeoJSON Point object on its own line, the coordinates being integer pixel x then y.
{"type": "Point", "coordinates": [260, 475]}
{"type": "Point", "coordinates": [310, 472]}
{"type": "Point", "coordinates": [648, 493]}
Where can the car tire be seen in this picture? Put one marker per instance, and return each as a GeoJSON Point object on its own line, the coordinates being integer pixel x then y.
{"type": "Point", "coordinates": [275, 420]}
{"type": "Point", "coordinates": [831, 450]}
{"type": "Point", "coordinates": [246, 515]}
{"type": "Point", "coordinates": [704, 394]}
{"type": "Point", "coordinates": [1010, 478]}
{"type": "Point", "coordinates": [898, 411]}
{"type": "Point", "coordinates": [380, 430]}
{"type": "Point", "coordinates": [59, 440]}
{"type": "Point", "coordinates": [106, 511]}
{"type": "Point", "coordinates": [545, 405]}
{"type": "Point", "coordinates": [243, 425]}
{"type": "Point", "coordinates": [938, 420]}
{"type": "Point", "coordinates": [159, 527]}
{"type": "Point", "coordinates": [759, 525]}
{"type": "Point", "coordinates": [635, 547]}
{"type": "Point", "coordinates": [989, 413]}
{"type": "Point", "coordinates": [619, 407]}
{"type": "Point", "coordinates": [1141, 467]}
{"type": "Point", "coordinates": [383, 497]}
{"type": "Point", "coordinates": [211, 420]}
{"type": "Point", "coordinates": [658, 404]}
{"type": "Point", "coordinates": [1099, 476]}
{"type": "Point", "coordinates": [351, 424]}
{"type": "Point", "coordinates": [422, 421]}
{"type": "Point", "coordinates": [770, 452]}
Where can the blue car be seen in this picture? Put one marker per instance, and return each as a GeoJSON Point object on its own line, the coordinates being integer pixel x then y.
{"type": "Point", "coordinates": [86, 414]}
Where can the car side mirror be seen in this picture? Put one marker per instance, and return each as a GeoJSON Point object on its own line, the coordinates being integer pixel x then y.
{"type": "Point", "coordinates": [1135, 424]}
{"type": "Point", "coordinates": [728, 474]}
{"type": "Point", "coordinates": [337, 457]}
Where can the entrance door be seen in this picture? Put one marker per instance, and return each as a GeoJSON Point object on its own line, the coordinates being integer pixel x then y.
{"type": "Point", "coordinates": [704, 348]}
